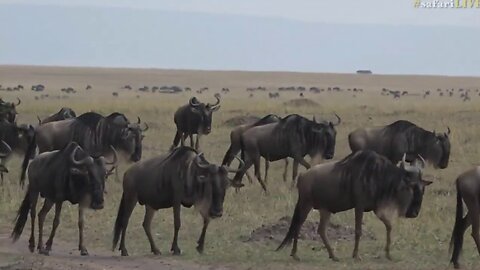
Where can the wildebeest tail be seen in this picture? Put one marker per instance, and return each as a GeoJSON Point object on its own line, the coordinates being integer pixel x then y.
{"type": "Point", "coordinates": [21, 218]}
{"type": "Point", "coordinates": [32, 146]}
{"type": "Point", "coordinates": [294, 227]}
{"type": "Point", "coordinates": [119, 223]}
{"type": "Point", "coordinates": [458, 229]}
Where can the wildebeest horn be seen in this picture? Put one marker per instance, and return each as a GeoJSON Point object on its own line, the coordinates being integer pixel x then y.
{"type": "Point", "coordinates": [448, 130]}
{"type": "Point", "coordinates": [115, 158]}
{"type": "Point", "coordinates": [339, 120]}
{"type": "Point", "coordinates": [193, 102]}
{"type": "Point", "coordinates": [19, 101]}
{"type": "Point", "coordinates": [198, 161]}
{"type": "Point", "coordinates": [39, 120]}
{"type": "Point", "coordinates": [422, 160]}
{"type": "Point", "coordinates": [231, 170]}
{"type": "Point", "coordinates": [77, 162]}
{"type": "Point", "coordinates": [146, 127]}
{"type": "Point", "coordinates": [217, 96]}
{"type": "Point", "coordinates": [404, 162]}
{"type": "Point", "coordinates": [8, 148]}
{"type": "Point", "coordinates": [138, 120]}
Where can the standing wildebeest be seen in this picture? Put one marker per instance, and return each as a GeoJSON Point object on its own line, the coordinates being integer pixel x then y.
{"type": "Point", "coordinates": [365, 181]}
{"type": "Point", "coordinates": [180, 177]}
{"type": "Point", "coordinates": [194, 118]}
{"type": "Point", "coordinates": [401, 137]}
{"type": "Point", "coordinates": [18, 138]}
{"type": "Point", "coordinates": [70, 174]}
{"type": "Point", "coordinates": [293, 136]}
{"type": "Point", "coordinates": [64, 113]}
{"type": "Point", "coordinates": [468, 191]}
{"type": "Point", "coordinates": [8, 111]}
{"type": "Point", "coordinates": [94, 133]}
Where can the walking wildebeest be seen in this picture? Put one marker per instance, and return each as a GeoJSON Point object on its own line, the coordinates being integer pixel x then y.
{"type": "Point", "coordinates": [468, 191]}
{"type": "Point", "coordinates": [194, 118]}
{"type": "Point", "coordinates": [70, 174]}
{"type": "Point", "coordinates": [64, 113]}
{"type": "Point", "coordinates": [401, 137]}
{"type": "Point", "coordinates": [180, 177]}
{"type": "Point", "coordinates": [293, 136]}
{"type": "Point", "coordinates": [8, 111]}
{"type": "Point", "coordinates": [94, 133]}
{"type": "Point", "coordinates": [364, 180]}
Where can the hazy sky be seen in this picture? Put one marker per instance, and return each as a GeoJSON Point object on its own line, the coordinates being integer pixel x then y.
{"type": "Point", "coordinates": [387, 36]}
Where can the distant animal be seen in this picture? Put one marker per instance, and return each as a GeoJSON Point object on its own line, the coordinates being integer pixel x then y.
{"type": "Point", "coordinates": [64, 113]}
{"type": "Point", "coordinates": [293, 136]}
{"type": "Point", "coordinates": [115, 94]}
{"type": "Point", "coordinates": [365, 181]}
{"type": "Point", "coordinates": [194, 118]}
{"type": "Point", "coordinates": [401, 137]}
{"type": "Point", "coordinates": [38, 88]}
{"type": "Point", "coordinates": [468, 187]}
{"type": "Point", "coordinates": [225, 90]}
{"type": "Point", "coordinates": [69, 174]}
{"type": "Point", "coordinates": [180, 177]}
{"type": "Point", "coordinates": [88, 87]}
{"type": "Point", "coordinates": [273, 95]}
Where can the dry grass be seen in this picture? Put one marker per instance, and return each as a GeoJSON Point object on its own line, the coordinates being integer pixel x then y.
{"type": "Point", "coordinates": [420, 243]}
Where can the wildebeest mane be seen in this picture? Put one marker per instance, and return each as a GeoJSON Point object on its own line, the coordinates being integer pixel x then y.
{"type": "Point", "coordinates": [267, 120]}
{"type": "Point", "coordinates": [298, 128]}
{"type": "Point", "coordinates": [415, 135]}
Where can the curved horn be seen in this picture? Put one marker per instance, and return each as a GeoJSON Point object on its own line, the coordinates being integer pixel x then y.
{"type": "Point", "coordinates": [193, 102]}
{"type": "Point", "coordinates": [198, 161]}
{"type": "Point", "coordinates": [146, 127]}
{"type": "Point", "coordinates": [39, 120]}
{"type": "Point", "coordinates": [115, 158]}
{"type": "Point", "coordinates": [314, 120]}
{"type": "Point", "coordinates": [77, 162]}
{"type": "Point", "coordinates": [9, 150]}
{"type": "Point", "coordinates": [404, 162]}
{"type": "Point", "coordinates": [138, 120]}
{"type": "Point", "coordinates": [217, 96]}
{"type": "Point", "coordinates": [339, 120]}
{"type": "Point", "coordinates": [240, 168]}
{"type": "Point", "coordinates": [422, 160]}
{"type": "Point", "coordinates": [19, 102]}
{"type": "Point", "coordinates": [448, 130]}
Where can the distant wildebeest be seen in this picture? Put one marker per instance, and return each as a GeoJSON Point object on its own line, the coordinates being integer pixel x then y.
{"type": "Point", "coordinates": [88, 87]}
{"type": "Point", "coordinates": [273, 95]}
{"type": "Point", "coordinates": [128, 87]}
{"type": "Point", "coordinates": [115, 94]}
{"type": "Point", "coordinates": [194, 118]}
{"type": "Point", "coordinates": [365, 181]}
{"type": "Point", "coordinates": [180, 177]}
{"type": "Point", "coordinates": [18, 139]}
{"type": "Point", "coordinates": [70, 175]}
{"type": "Point", "coordinates": [293, 136]}
{"type": "Point", "coordinates": [468, 187]}
{"type": "Point", "coordinates": [64, 113]}
{"type": "Point", "coordinates": [95, 133]}
{"type": "Point", "coordinates": [401, 137]}
{"type": "Point", "coordinates": [225, 90]}
{"type": "Point", "coordinates": [8, 111]}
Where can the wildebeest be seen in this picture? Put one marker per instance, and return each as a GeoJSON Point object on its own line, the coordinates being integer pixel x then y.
{"type": "Point", "coordinates": [70, 174]}
{"type": "Point", "coordinates": [64, 113]}
{"type": "Point", "coordinates": [180, 177]}
{"type": "Point", "coordinates": [293, 136]}
{"type": "Point", "coordinates": [468, 187]}
{"type": "Point", "coordinates": [365, 181]}
{"type": "Point", "coordinates": [94, 133]}
{"type": "Point", "coordinates": [18, 138]}
{"type": "Point", "coordinates": [194, 118]}
{"type": "Point", "coordinates": [402, 137]}
{"type": "Point", "coordinates": [8, 111]}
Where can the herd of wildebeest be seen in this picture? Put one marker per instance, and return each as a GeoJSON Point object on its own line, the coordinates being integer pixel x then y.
{"type": "Point", "coordinates": [68, 158]}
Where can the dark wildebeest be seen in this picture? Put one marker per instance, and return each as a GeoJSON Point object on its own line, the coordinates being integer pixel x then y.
{"type": "Point", "coordinates": [468, 191]}
{"type": "Point", "coordinates": [293, 136]}
{"type": "Point", "coordinates": [180, 177]}
{"type": "Point", "coordinates": [8, 111]}
{"type": "Point", "coordinates": [235, 142]}
{"type": "Point", "coordinates": [365, 181]}
{"type": "Point", "coordinates": [194, 118]}
{"type": "Point", "coordinates": [401, 137]}
{"type": "Point", "coordinates": [94, 133]}
{"type": "Point", "coordinates": [70, 175]}
{"type": "Point", "coordinates": [64, 113]}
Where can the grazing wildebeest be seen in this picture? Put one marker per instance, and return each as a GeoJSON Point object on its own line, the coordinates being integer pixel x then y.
{"type": "Point", "coordinates": [365, 181]}
{"type": "Point", "coordinates": [94, 133]}
{"type": "Point", "coordinates": [468, 191]}
{"type": "Point", "coordinates": [8, 111]}
{"type": "Point", "coordinates": [64, 113]}
{"type": "Point", "coordinates": [194, 118]}
{"type": "Point", "coordinates": [402, 137]}
{"type": "Point", "coordinates": [180, 177]}
{"type": "Point", "coordinates": [293, 136]}
{"type": "Point", "coordinates": [70, 174]}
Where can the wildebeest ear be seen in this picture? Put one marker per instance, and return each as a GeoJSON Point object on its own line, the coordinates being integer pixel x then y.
{"type": "Point", "coordinates": [426, 183]}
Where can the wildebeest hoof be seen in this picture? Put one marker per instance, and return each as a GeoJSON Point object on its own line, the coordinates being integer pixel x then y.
{"type": "Point", "coordinates": [31, 248]}
{"type": "Point", "coordinates": [155, 251]}
{"type": "Point", "coordinates": [295, 257]}
{"type": "Point", "coordinates": [176, 251]}
{"type": "Point", "coordinates": [389, 257]}
{"type": "Point", "coordinates": [200, 249]}
{"type": "Point", "coordinates": [124, 252]}
{"type": "Point", "coordinates": [44, 252]}
{"type": "Point", "coordinates": [456, 266]}
{"type": "Point", "coordinates": [335, 259]}
{"type": "Point", "coordinates": [84, 252]}
{"type": "Point", "coordinates": [357, 258]}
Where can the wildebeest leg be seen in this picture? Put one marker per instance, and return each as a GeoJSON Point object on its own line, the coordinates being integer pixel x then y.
{"type": "Point", "coordinates": [304, 163]}
{"type": "Point", "coordinates": [201, 240]}
{"type": "Point", "coordinates": [176, 223]}
{"type": "Point", "coordinates": [294, 172]}
{"type": "Point", "coordinates": [197, 142]}
{"type": "Point", "coordinates": [33, 214]}
{"type": "Point", "coordinates": [47, 205]}
{"type": "Point", "coordinates": [177, 139]}
{"type": "Point", "coordinates": [56, 222]}
{"type": "Point", "coordinates": [388, 226]}
{"type": "Point", "coordinates": [473, 212]}
{"type": "Point", "coordinates": [322, 227]}
{"type": "Point", "coordinates": [237, 179]}
{"type": "Point", "coordinates": [256, 164]}
{"type": "Point", "coordinates": [267, 166]}
{"type": "Point", "coordinates": [303, 210]}
{"type": "Point", "coordinates": [358, 231]}
{"type": "Point", "coordinates": [81, 220]}
{"type": "Point", "coordinates": [285, 172]}
{"type": "Point", "coordinates": [147, 222]}
{"type": "Point", "coordinates": [130, 202]}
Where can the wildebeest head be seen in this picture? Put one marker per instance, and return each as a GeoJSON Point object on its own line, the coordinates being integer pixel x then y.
{"type": "Point", "coordinates": [205, 112]}
{"type": "Point", "coordinates": [324, 139]}
{"type": "Point", "coordinates": [8, 110]}
{"type": "Point", "coordinates": [411, 189]}
{"type": "Point", "coordinates": [438, 149]}
{"type": "Point", "coordinates": [132, 138]}
{"type": "Point", "coordinates": [26, 135]}
{"type": "Point", "coordinates": [212, 182]}
{"type": "Point", "coordinates": [92, 171]}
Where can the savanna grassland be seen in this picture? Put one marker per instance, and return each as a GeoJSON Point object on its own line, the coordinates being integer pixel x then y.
{"type": "Point", "coordinates": [420, 243]}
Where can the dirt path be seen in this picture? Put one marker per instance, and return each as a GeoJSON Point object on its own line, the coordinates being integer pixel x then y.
{"type": "Point", "coordinates": [16, 256]}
